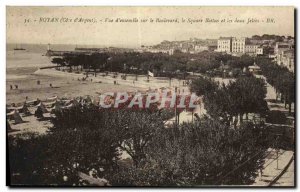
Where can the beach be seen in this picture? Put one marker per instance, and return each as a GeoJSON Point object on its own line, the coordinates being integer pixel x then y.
{"type": "Point", "coordinates": [23, 70]}
{"type": "Point", "coordinates": [62, 86]}
{"type": "Point", "coordinates": [29, 71]}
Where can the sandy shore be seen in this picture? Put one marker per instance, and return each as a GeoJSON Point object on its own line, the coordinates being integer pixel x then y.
{"type": "Point", "coordinates": [67, 85]}
{"type": "Point", "coordinates": [63, 85]}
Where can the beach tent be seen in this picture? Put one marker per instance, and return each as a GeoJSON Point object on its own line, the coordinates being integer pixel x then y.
{"type": "Point", "coordinates": [75, 102]}
{"type": "Point", "coordinates": [37, 101]}
{"type": "Point", "coordinates": [14, 115]}
{"type": "Point", "coordinates": [24, 109]}
{"type": "Point", "coordinates": [56, 107]}
{"type": "Point", "coordinates": [66, 102]}
{"type": "Point", "coordinates": [42, 107]}
{"type": "Point", "coordinates": [32, 102]}
{"type": "Point", "coordinates": [68, 106]}
{"type": "Point", "coordinates": [8, 127]}
{"type": "Point", "coordinates": [52, 98]}
{"type": "Point", "coordinates": [39, 113]}
{"type": "Point", "coordinates": [50, 104]}
{"type": "Point", "coordinates": [10, 109]}
{"type": "Point", "coordinates": [72, 101]}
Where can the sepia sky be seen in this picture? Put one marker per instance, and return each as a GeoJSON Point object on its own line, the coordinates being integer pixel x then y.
{"type": "Point", "coordinates": [136, 34]}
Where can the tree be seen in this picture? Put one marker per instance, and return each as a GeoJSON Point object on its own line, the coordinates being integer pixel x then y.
{"type": "Point", "coordinates": [132, 129]}
{"type": "Point", "coordinates": [203, 85]}
{"type": "Point", "coordinates": [248, 94]}
{"type": "Point", "coordinates": [58, 61]}
{"type": "Point", "coordinates": [89, 143]}
{"type": "Point", "coordinates": [138, 128]}
{"type": "Point", "coordinates": [97, 60]}
{"type": "Point", "coordinates": [240, 62]}
{"type": "Point", "coordinates": [243, 96]}
{"type": "Point", "coordinates": [281, 79]}
{"type": "Point", "coordinates": [203, 153]}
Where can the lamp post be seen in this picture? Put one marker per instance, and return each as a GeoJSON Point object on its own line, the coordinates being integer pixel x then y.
{"type": "Point", "coordinates": [125, 69]}
{"type": "Point", "coordinates": [136, 74]}
{"type": "Point", "coordinates": [110, 63]}
{"type": "Point", "coordinates": [277, 149]}
{"type": "Point", "coordinates": [176, 121]}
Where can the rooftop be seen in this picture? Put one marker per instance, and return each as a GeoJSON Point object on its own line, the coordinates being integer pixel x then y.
{"type": "Point", "coordinates": [225, 38]}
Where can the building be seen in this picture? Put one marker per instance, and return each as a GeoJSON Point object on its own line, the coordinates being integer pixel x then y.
{"type": "Point", "coordinates": [200, 48]}
{"type": "Point", "coordinates": [255, 69]}
{"type": "Point", "coordinates": [225, 44]}
{"type": "Point", "coordinates": [284, 55]}
{"type": "Point", "coordinates": [212, 47]}
{"type": "Point", "coordinates": [238, 45]}
{"type": "Point", "coordinates": [287, 59]}
{"type": "Point", "coordinates": [260, 51]}
{"type": "Point", "coordinates": [281, 46]}
{"type": "Point", "coordinates": [251, 49]}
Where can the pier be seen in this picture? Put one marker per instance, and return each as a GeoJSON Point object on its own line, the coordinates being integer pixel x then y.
{"type": "Point", "coordinates": [51, 53]}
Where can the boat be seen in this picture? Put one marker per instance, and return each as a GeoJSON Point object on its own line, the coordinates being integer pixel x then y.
{"type": "Point", "coordinates": [19, 48]}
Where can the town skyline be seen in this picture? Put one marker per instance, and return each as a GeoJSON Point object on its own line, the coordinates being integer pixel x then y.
{"type": "Point", "coordinates": [97, 44]}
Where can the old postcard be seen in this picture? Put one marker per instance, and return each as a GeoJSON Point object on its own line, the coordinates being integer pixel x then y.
{"type": "Point", "coordinates": [150, 96]}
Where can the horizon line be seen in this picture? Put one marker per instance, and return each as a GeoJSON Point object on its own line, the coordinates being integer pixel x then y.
{"type": "Point", "coordinates": [212, 38]}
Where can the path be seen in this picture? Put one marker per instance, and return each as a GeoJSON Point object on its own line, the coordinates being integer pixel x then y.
{"type": "Point", "coordinates": [287, 179]}
{"type": "Point", "coordinates": [270, 170]}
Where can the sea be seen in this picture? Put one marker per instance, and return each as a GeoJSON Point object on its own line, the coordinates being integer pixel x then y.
{"type": "Point", "coordinates": [21, 64]}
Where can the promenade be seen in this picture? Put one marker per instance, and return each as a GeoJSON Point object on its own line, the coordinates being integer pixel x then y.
{"type": "Point", "coordinates": [275, 165]}
{"type": "Point", "coordinates": [278, 169]}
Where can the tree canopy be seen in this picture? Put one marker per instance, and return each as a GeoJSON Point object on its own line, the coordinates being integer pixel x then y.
{"type": "Point", "coordinates": [242, 96]}
{"type": "Point", "coordinates": [280, 78]}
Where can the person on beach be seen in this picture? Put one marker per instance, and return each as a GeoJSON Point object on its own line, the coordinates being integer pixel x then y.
{"type": "Point", "coordinates": [11, 87]}
{"type": "Point", "coordinates": [51, 85]}
{"type": "Point", "coordinates": [16, 86]}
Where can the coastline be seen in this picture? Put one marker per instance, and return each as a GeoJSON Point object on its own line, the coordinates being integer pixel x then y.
{"type": "Point", "coordinates": [64, 84]}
